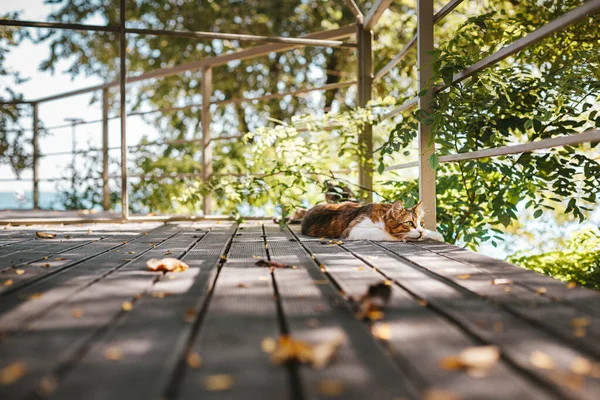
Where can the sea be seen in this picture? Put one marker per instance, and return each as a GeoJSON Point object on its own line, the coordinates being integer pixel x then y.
{"type": "Point", "coordinates": [24, 201]}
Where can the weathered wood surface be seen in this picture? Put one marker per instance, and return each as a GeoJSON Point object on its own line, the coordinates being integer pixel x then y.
{"type": "Point", "coordinates": [82, 317]}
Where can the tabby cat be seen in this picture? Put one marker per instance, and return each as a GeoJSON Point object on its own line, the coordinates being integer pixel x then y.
{"type": "Point", "coordinates": [377, 221]}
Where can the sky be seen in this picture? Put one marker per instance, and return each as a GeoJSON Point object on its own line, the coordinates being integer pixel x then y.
{"type": "Point", "coordinates": [26, 59]}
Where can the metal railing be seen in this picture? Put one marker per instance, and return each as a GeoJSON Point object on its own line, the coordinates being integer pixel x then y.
{"type": "Point", "coordinates": [362, 30]}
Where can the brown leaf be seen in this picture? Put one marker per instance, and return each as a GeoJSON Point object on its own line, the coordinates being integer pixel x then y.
{"type": "Point", "coordinates": [542, 360]}
{"type": "Point", "coordinates": [166, 264]}
{"type": "Point", "coordinates": [463, 276]}
{"type": "Point", "coordinates": [274, 264]}
{"type": "Point", "coordinates": [217, 383]}
{"type": "Point", "coordinates": [571, 285]}
{"type": "Point", "coordinates": [113, 353]}
{"type": "Point", "coordinates": [244, 285]}
{"type": "Point", "coordinates": [77, 313]}
{"type": "Point", "coordinates": [12, 373]}
{"type": "Point", "coordinates": [580, 322]}
{"type": "Point", "coordinates": [45, 235]}
{"type": "Point", "coordinates": [48, 385]}
{"type": "Point", "coordinates": [331, 387]}
{"type": "Point", "coordinates": [438, 394]}
{"type": "Point", "coordinates": [7, 282]}
{"type": "Point", "coordinates": [288, 349]}
{"type": "Point", "coordinates": [194, 360]}
{"type": "Point", "coordinates": [126, 306]}
{"type": "Point", "coordinates": [476, 361]}
{"type": "Point", "coordinates": [68, 237]}
{"type": "Point", "coordinates": [372, 303]}
{"type": "Point", "coordinates": [541, 290]}
{"type": "Point", "coordinates": [60, 258]}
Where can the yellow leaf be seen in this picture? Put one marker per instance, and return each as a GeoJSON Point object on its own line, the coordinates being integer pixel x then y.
{"type": "Point", "coordinates": [166, 264]}
{"type": "Point", "coordinates": [541, 290]}
{"type": "Point", "coordinates": [20, 271]}
{"type": "Point", "coordinates": [12, 373]}
{"type": "Point", "coordinates": [45, 235]}
{"type": "Point", "coordinates": [438, 394]}
{"type": "Point", "coordinates": [126, 306]}
{"type": "Point", "coordinates": [581, 322]}
{"type": "Point", "coordinates": [217, 383]}
{"type": "Point", "coordinates": [77, 313]}
{"type": "Point", "coordinates": [541, 360]}
{"type": "Point", "coordinates": [8, 282]}
{"type": "Point", "coordinates": [502, 281]}
{"type": "Point", "coordinates": [382, 331]}
{"type": "Point", "coordinates": [463, 276]}
{"type": "Point", "coordinates": [581, 366]}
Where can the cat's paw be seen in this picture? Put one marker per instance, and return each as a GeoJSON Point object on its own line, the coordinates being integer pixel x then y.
{"type": "Point", "coordinates": [434, 235]}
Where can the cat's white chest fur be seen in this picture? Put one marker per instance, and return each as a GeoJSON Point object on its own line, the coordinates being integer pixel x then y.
{"type": "Point", "coordinates": [369, 230]}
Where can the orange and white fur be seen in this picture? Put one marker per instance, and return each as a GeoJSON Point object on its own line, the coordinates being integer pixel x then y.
{"type": "Point", "coordinates": [377, 221]}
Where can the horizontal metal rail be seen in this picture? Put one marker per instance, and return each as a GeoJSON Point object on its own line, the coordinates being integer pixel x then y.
{"type": "Point", "coordinates": [58, 25]}
{"type": "Point", "coordinates": [254, 52]}
{"type": "Point", "coordinates": [573, 16]}
{"type": "Point", "coordinates": [575, 139]}
{"type": "Point", "coordinates": [408, 104]}
{"type": "Point", "coordinates": [451, 5]}
{"type": "Point", "coordinates": [174, 33]}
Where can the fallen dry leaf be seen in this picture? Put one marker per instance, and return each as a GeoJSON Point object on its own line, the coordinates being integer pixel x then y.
{"type": "Point", "coordinates": [60, 258]}
{"type": "Point", "coordinates": [77, 313]}
{"type": "Point", "coordinates": [217, 383]}
{"type": "Point", "coordinates": [48, 385]}
{"type": "Point", "coordinates": [194, 360]}
{"type": "Point", "coordinates": [580, 332]}
{"type": "Point", "coordinates": [288, 349]}
{"type": "Point", "coordinates": [541, 290]}
{"type": "Point", "coordinates": [439, 394]}
{"type": "Point", "coordinates": [244, 285]}
{"type": "Point", "coordinates": [581, 366]}
{"type": "Point", "coordinates": [542, 360]}
{"type": "Point", "coordinates": [580, 322]}
{"type": "Point", "coordinates": [20, 271]}
{"type": "Point", "coordinates": [508, 289]}
{"type": "Point", "coordinates": [382, 331]}
{"type": "Point", "coordinates": [422, 302]}
{"type": "Point", "coordinates": [463, 276]}
{"type": "Point", "coordinates": [498, 326]}
{"type": "Point", "coordinates": [7, 282]}
{"type": "Point", "coordinates": [12, 373]}
{"type": "Point", "coordinates": [272, 264]}
{"type": "Point", "coordinates": [476, 361]}
{"type": "Point", "coordinates": [372, 303]}
{"type": "Point", "coordinates": [571, 285]}
{"type": "Point", "coordinates": [132, 252]}
{"type": "Point", "coordinates": [45, 235]}
{"type": "Point", "coordinates": [501, 281]}
{"type": "Point", "coordinates": [166, 264]}
{"type": "Point", "coordinates": [161, 295]}
{"type": "Point", "coordinates": [331, 387]}
{"type": "Point", "coordinates": [113, 353]}
{"type": "Point", "coordinates": [126, 306]}
{"type": "Point", "coordinates": [68, 237]}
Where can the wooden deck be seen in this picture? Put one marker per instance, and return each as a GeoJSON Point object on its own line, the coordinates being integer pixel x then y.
{"type": "Point", "coordinates": [83, 318]}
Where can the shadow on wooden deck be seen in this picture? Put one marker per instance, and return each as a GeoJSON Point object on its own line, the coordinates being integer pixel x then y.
{"type": "Point", "coordinates": [82, 317]}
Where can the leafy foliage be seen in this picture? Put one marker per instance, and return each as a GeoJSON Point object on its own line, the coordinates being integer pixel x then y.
{"type": "Point", "coordinates": [578, 261]}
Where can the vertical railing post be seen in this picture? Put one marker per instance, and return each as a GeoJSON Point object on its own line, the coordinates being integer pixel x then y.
{"type": "Point", "coordinates": [36, 155]}
{"type": "Point", "coordinates": [123, 112]}
{"type": "Point", "coordinates": [105, 190]}
{"type": "Point", "coordinates": [364, 58]}
{"type": "Point", "coordinates": [206, 147]}
{"type": "Point", "coordinates": [425, 67]}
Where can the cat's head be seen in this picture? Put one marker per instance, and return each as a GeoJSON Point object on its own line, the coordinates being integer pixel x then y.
{"type": "Point", "coordinates": [405, 223]}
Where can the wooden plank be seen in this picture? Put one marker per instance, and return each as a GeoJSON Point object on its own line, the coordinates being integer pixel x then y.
{"type": "Point", "coordinates": [62, 284]}
{"type": "Point", "coordinates": [362, 365]}
{"type": "Point", "coordinates": [235, 323]}
{"type": "Point", "coordinates": [48, 264]}
{"type": "Point", "coordinates": [420, 338]}
{"type": "Point", "coordinates": [549, 311]}
{"type": "Point", "coordinates": [581, 298]}
{"type": "Point", "coordinates": [518, 340]}
{"type": "Point", "coordinates": [153, 336]}
{"type": "Point", "coordinates": [52, 344]}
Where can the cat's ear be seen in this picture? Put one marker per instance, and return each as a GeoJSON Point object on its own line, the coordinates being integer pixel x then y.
{"type": "Point", "coordinates": [397, 207]}
{"type": "Point", "coordinates": [419, 210]}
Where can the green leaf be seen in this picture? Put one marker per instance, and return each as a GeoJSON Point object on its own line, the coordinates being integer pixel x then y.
{"type": "Point", "coordinates": [434, 161]}
{"type": "Point", "coordinates": [537, 214]}
{"type": "Point", "coordinates": [381, 168]}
